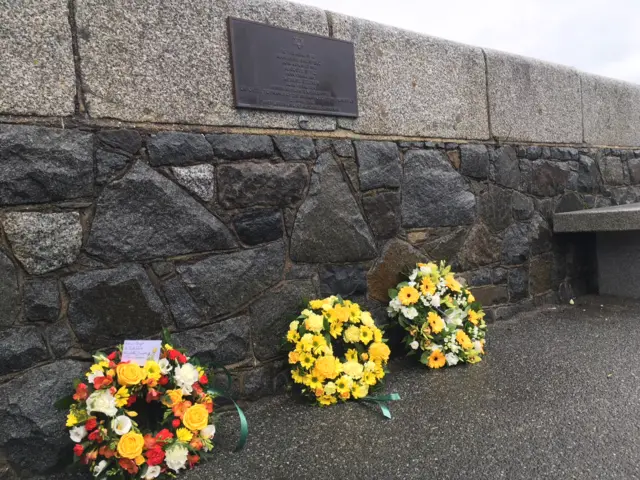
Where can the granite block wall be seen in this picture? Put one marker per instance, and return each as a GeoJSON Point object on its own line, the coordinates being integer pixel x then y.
{"type": "Point", "coordinates": [109, 234]}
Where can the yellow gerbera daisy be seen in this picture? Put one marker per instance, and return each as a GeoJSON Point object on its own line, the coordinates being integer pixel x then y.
{"type": "Point", "coordinates": [318, 344]}
{"type": "Point", "coordinates": [452, 283]}
{"type": "Point", "coordinates": [474, 317]}
{"type": "Point", "coordinates": [427, 286]}
{"type": "Point", "coordinates": [437, 359]}
{"type": "Point", "coordinates": [408, 295]}
{"type": "Point", "coordinates": [435, 322]}
{"type": "Point", "coordinates": [360, 390]}
{"type": "Point", "coordinates": [369, 378]}
{"type": "Point", "coordinates": [463, 339]}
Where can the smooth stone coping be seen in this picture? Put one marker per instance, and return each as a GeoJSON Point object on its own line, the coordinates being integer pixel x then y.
{"type": "Point", "coordinates": [605, 219]}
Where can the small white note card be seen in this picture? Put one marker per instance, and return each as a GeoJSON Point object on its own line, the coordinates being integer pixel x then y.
{"type": "Point", "coordinates": [139, 351]}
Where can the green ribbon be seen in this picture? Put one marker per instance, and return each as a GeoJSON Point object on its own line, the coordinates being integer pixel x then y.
{"type": "Point", "coordinates": [244, 425]}
{"type": "Point", "coordinates": [381, 401]}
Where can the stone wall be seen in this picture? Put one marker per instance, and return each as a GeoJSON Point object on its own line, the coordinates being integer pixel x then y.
{"type": "Point", "coordinates": [110, 234]}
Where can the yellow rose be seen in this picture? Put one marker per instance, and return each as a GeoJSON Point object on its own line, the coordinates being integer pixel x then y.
{"type": "Point", "coordinates": [379, 351]}
{"type": "Point", "coordinates": [129, 374]}
{"type": "Point", "coordinates": [175, 397]}
{"type": "Point", "coordinates": [196, 417]}
{"type": "Point", "coordinates": [130, 445]}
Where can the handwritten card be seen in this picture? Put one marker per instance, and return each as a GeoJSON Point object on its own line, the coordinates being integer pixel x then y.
{"type": "Point", "coordinates": [139, 351]}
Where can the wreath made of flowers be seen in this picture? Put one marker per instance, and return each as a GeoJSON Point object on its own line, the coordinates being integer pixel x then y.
{"type": "Point", "coordinates": [142, 421]}
{"type": "Point", "coordinates": [443, 320]}
{"type": "Point", "coordinates": [336, 351]}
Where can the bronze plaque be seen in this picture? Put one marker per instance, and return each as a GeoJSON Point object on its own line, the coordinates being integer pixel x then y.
{"type": "Point", "coordinates": [280, 69]}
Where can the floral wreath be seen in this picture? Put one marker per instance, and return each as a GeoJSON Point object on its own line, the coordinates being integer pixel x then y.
{"type": "Point", "coordinates": [143, 422]}
{"type": "Point", "coordinates": [442, 318]}
{"type": "Point", "coordinates": [336, 352]}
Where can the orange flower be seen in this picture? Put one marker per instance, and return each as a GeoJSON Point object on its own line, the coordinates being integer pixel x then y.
{"type": "Point", "coordinates": [180, 409]}
{"type": "Point", "coordinates": [196, 443]}
{"type": "Point", "coordinates": [437, 359]}
{"type": "Point", "coordinates": [408, 295]}
{"type": "Point", "coordinates": [129, 465]}
{"type": "Point", "coordinates": [106, 452]}
{"type": "Point", "coordinates": [427, 286]}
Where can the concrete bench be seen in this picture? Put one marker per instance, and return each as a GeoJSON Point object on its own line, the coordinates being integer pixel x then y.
{"type": "Point", "coordinates": [617, 232]}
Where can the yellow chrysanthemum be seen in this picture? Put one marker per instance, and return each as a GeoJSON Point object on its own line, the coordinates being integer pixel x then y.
{"type": "Point", "coordinates": [312, 381]}
{"type": "Point", "coordinates": [367, 320]}
{"type": "Point", "coordinates": [427, 286]}
{"type": "Point", "coordinates": [296, 376]}
{"type": "Point", "coordinates": [351, 355]}
{"type": "Point", "coordinates": [314, 323]}
{"type": "Point", "coordinates": [379, 351]}
{"type": "Point", "coordinates": [366, 334]}
{"type": "Point", "coordinates": [307, 360]}
{"type": "Point", "coordinates": [352, 334]}
{"type": "Point", "coordinates": [293, 336]}
{"type": "Point", "coordinates": [435, 322]}
{"type": "Point", "coordinates": [436, 359]}
{"type": "Point", "coordinates": [463, 339]}
{"type": "Point", "coordinates": [327, 400]}
{"type": "Point", "coordinates": [353, 369]}
{"type": "Point", "coordinates": [452, 283]}
{"type": "Point", "coordinates": [294, 357]}
{"type": "Point", "coordinates": [316, 304]}
{"type": "Point", "coordinates": [335, 329]}
{"type": "Point", "coordinates": [122, 396]}
{"type": "Point", "coordinates": [152, 370]}
{"type": "Point", "coordinates": [359, 390]}
{"type": "Point", "coordinates": [408, 295]}
{"type": "Point", "coordinates": [369, 378]}
{"type": "Point", "coordinates": [369, 366]}
{"type": "Point", "coordinates": [339, 313]}
{"type": "Point", "coordinates": [330, 388]}
{"type": "Point", "coordinates": [306, 342]}
{"type": "Point", "coordinates": [327, 367]}
{"type": "Point", "coordinates": [344, 384]}
{"type": "Point", "coordinates": [184, 435]}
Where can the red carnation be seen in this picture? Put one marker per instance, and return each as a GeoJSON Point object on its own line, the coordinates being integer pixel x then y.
{"type": "Point", "coordinates": [95, 436]}
{"type": "Point", "coordinates": [78, 449]}
{"type": "Point", "coordinates": [155, 456]}
{"type": "Point", "coordinates": [132, 400]}
{"type": "Point", "coordinates": [193, 459]}
{"type": "Point", "coordinates": [182, 358]}
{"type": "Point", "coordinates": [163, 435]}
{"type": "Point", "coordinates": [176, 422]}
{"type": "Point", "coordinates": [173, 354]}
{"type": "Point", "coordinates": [129, 465]}
{"type": "Point", "coordinates": [149, 442]}
{"type": "Point", "coordinates": [112, 355]}
{"type": "Point", "coordinates": [91, 424]}
{"type": "Point", "coordinates": [204, 379]}
{"type": "Point", "coordinates": [81, 392]}
{"type": "Point", "coordinates": [100, 382]}
{"type": "Point", "coordinates": [163, 380]}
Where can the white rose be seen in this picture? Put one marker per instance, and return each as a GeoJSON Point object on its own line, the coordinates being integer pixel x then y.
{"type": "Point", "coordinates": [208, 432]}
{"type": "Point", "coordinates": [78, 433]}
{"type": "Point", "coordinates": [435, 301]}
{"type": "Point", "coordinates": [294, 325]}
{"type": "Point", "coordinates": [93, 375]}
{"type": "Point", "coordinates": [121, 424]}
{"type": "Point", "coordinates": [452, 359]}
{"type": "Point", "coordinates": [410, 312]}
{"type": "Point", "coordinates": [152, 472]}
{"type": "Point", "coordinates": [99, 468]}
{"type": "Point", "coordinates": [103, 402]}
{"type": "Point", "coordinates": [165, 366]}
{"type": "Point", "coordinates": [186, 375]}
{"type": "Point", "coordinates": [414, 345]}
{"type": "Point", "coordinates": [176, 457]}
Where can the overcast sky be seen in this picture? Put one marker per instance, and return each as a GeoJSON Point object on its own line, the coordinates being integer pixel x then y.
{"type": "Point", "coordinates": [598, 36]}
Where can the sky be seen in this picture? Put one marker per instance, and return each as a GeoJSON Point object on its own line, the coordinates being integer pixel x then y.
{"type": "Point", "coordinates": [597, 36]}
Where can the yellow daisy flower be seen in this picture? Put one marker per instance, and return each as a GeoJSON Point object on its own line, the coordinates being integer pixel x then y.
{"type": "Point", "coordinates": [369, 378]}
{"type": "Point", "coordinates": [408, 295]}
{"type": "Point", "coordinates": [427, 286]}
{"type": "Point", "coordinates": [327, 400]}
{"type": "Point", "coordinates": [184, 435]}
{"type": "Point", "coordinates": [436, 359]}
{"type": "Point", "coordinates": [307, 360]}
{"type": "Point", "coordinates": [344, 384]}
{"type": "Point", "coordinates": [296, 376]}
{"type": "Point", "coordinates": [351, 355]}
{"type": "Point", "coordinates": [366, 334]}
{"type": "Point", "coordinates": [435, 322]}
{"type": "Point", "coordinates": [335, 329]}
{"type": "Point", "coordinates": [293, 336]}
{"type": "Point", "coordinates": [352, 334]}
{"type": "Point", "coordinates": [452, 283]}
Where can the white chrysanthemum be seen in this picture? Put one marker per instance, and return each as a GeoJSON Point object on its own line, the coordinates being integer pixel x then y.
{"type": "Point", "coordinates": [409, 312]}
{"type": "Point", "coordinates": [152, 472]}
{"type": "Point", "coordinates": [99, 468]}
{"type": "Point", "coordinates": [165, 366]}
{"type": "Point", "coordinates": [414, 345]}
{"type": "Point", "coordinates": [78, 433]}
{"type": "Point", "coordinates": [102, 401]}
{"type": "Point", "coordinates": [121, 424]}
{"type": "Point", "coordinates": [395, 304]}
{"type": "Point", "coordinates": [452, 359]}
{"type": "Point", "coordinates": [186, 375]}
{"type": "Point", "coordinates": [176, 457]}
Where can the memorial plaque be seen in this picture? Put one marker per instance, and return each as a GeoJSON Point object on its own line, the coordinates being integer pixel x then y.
{"type": "Point", "coordinates": [285, 70]}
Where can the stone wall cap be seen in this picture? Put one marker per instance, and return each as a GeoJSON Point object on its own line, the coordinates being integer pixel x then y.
{"type": "Point", "coordinates": [604, 219]}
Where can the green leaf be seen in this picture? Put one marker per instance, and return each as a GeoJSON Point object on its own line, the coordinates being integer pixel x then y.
{"type": "Point", "coordinates": [393, 293]}
{"type": "Point", "coordinates": [166, 336]}
{"type": "Point", "coordinates": [64, 403]}
{"type": "Point", "coordinates": [424, 358]}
